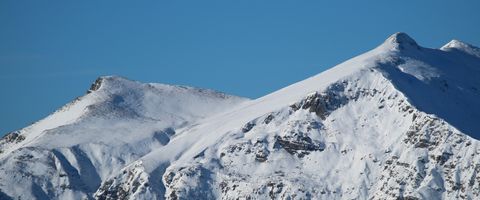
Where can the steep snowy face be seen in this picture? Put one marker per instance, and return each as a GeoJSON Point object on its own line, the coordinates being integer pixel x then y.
{"type": "Point", "coordinates": [383, 125]}
{"type": "Point", "coordinates": [335, 144]}
{"type": "Point", "coordinates": [442, 81]}
{"type": "Point", "coordinates": [81, 144]}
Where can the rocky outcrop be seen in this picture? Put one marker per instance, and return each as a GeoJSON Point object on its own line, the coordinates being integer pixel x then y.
{"type": "Point", "coordinates": [96, 85]}
{"type": "Point", "coordinates": [13, 137]}
{"type": "Point", "coordinates": [322, 103]}
{"type": "Point", "coordinates": [300, 145]}
{"type": "Point", "coordinates": [131, 181]}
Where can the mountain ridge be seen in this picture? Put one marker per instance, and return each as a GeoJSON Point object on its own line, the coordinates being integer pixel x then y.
{"type": "Point", "coordinates": [377, 114]}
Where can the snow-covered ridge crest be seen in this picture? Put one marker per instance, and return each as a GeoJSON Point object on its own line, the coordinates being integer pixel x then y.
{"type": "Point", "coordinates": [401, 41]}
{"type": "Point", "coordinates": [375, 106]}
{"type": "Point", "coordinates": [388, 124]}
{"type": "Point", "coordinates": [462, 46]}
{"type": "Point", "coordinates": [114, 124]}
{"type": "Point", "coordinates": [115, 97]}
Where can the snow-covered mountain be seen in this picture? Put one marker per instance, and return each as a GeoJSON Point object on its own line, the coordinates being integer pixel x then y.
{"type": "Point", "coordinates": [71, 152]}
{"type": "Point", "coordinates": [394, 123]}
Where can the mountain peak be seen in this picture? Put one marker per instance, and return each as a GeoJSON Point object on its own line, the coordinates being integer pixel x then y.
{"type": "Point", "coordinates": [401, 38]}
{"type": "Point", "coordinates": [455, 43]}
{"type": "Point", "coordinates": [400, 41]}
{"type": "Point", "coordinates": [107, 80]}
{"type": "Point", "coordinates": [462, 46]}
{"type": "Point", "coordinates": [96, 85]}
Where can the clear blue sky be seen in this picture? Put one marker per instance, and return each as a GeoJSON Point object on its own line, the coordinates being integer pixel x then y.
{"type": "Point", "coordinates": [50, 51]}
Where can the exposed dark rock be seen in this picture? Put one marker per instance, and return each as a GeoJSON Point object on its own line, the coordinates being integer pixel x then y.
{"type": "Point", "coordinates": [191, 173]}
{"type": "Point", "coordinates": [111, 189]}
{"type": "Point", "coordinates": [275, 189]}
{"type": "Point", "coordinates": [268, 119]}
{"type": "Point", "coordinates": [422, 143]}
{"type": "Point", "coordinates": [403, 164]}
{"type": "Point", "coordinates": [322, 103]}
{"type": "Point", "coordinates": [224, 187]}
{"type": "Point", "coordinates": [13, 137]}
{"type": "Point", "coordinates": [317, 104]}
{"type": "Point", "coordinates": [300, 145]}
{"type": "Point", "coordinates": [96, 85]}
{"type": "Point", "coordinates": [262, 155]}
{"type": "Point", "coordinates": [442, 159]}
{"type": "Point", "coordinates": [294, 107]}
{"type": "Point", "coordinates": [427, 132]}
{"type": "Point", "coordinates": [168, 178]}
{"type": "Point", "coordinates": [408, 198]}
{"type": "Point", "coordinates": [248, 127]}
{"type": "Point", "coordinates": [173, 195]}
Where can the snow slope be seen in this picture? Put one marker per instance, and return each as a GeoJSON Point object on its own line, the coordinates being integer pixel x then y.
{"type": "Point", "coordinates": [83, 143]}
{"type": "Point", "coordinates": [394, 123]}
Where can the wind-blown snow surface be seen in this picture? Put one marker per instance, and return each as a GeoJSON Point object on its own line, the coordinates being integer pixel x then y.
{"type": "Point", "coordinates": [68, 154]}
{"type": "Point", "coordinates": [392, 123]}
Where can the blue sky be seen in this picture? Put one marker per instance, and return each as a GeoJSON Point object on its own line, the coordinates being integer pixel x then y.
{"type": "Point", "coordinates": [51, 51]}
